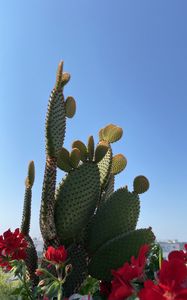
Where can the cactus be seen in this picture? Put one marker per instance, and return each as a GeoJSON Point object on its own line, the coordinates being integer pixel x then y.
{"type": "Point", "coordinates": [83, 212]}
{"type": "Point", "coordinates": [31, 254]}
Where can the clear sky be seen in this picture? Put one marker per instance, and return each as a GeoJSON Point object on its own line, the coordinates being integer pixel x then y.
{"type": "Point", "coordinates": [128, 61]}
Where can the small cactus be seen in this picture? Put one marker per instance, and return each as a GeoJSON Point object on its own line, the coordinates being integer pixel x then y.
{"type": "Point", "coordinates": [31, 254]}
{"type": "Point", "coordinates": [83, 212]}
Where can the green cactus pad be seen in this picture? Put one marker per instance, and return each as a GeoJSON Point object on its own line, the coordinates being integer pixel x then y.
{"type": "Point", "coordinates": [70, 106]}
{"type": "Point", "coordinates": [140, 184]}
{"type": "Point", "coordinates": [65, 79]}
{"type": "Point", "coordinates": [90, 148]}
{"type": "Point", "coordinates": [119, 214]}
{"type": "Point", "coordinates": [82, 147]}
{"type": "Point", "coordinates": [55, 123]}
{"type": "Point", "coordinates": [105, 167]}
{"type": "Point", "coordinates": [75, 157]}
{"type": "Point", "coordinates": [63, 160]}
{"type": "Point", "coordinates": [100, 151]}
{"type": "Point", "coordinates": [112, 133]}
{"type": "Point", "coordinates": [76, 200]}
{"type": "Point", "coordinates": [119, 163]}
{"type": "Point", "coordinates": [117, 251]}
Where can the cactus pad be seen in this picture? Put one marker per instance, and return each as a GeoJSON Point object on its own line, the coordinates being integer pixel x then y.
{"type": "Point", "coordinates": [82, 147]}
{"type": "Point", "coordinates": [75, 157]}
{"type": "Point", "coordinates": [55, 123]}
{"type": "Point", "coordinates": [112, 133]}
{"type": "Point", "coordinates": [101, 134]}
{"type": "Point", "coordinates": [100, 151]}
{"type": "Point", "coordinates": [140, 184]}
{"type": "Point", "coordinates": [70, 107]}
{"type": "Point", "coordinates": [105, 225]}
{"type": "Point", "coordinates": [119, 163]}
{"type": "Point", "coordinates": [76, 200]}
{"type": "Point", "coordinates": [90, 148]}
{"type": "Point", "coordinates": [117, 251]}
{"type": "Point", "coordinates": [63, 160]}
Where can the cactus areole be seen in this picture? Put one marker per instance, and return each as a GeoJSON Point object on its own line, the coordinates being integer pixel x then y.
{"type": "Point", "coordinates": [82, 211]}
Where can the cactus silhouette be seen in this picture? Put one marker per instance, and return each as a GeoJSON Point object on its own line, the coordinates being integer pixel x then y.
{"type": "Point", "coordinates": [83, 212]}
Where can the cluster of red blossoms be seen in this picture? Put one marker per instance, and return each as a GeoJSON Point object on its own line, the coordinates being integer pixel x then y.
{"type": "Point", "coordinates": [170, 282]}
{"type": "Point", "coordinates": [12, 247]}
{"type": "Point", "coordinates": [56, 255]}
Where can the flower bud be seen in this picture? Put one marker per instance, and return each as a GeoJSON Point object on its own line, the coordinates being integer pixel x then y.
{"type": "Point", "coordinates": [68, 269]}
{"type": "Point", "coordinates": [39, 272]}
{"type": "Point", "coordinates": [41, 283]}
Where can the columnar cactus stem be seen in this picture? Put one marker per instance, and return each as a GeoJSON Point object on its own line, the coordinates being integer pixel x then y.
{"type": "Point", "coordinates": [47, 225]}
{"type": "Point", "coordinates": [25, 224]}
{"type": "Point", "coordinates": [31, 258]}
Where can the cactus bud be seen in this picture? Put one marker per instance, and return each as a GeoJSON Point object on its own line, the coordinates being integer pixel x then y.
{"type": "Point", "coordinates": [65, 79]}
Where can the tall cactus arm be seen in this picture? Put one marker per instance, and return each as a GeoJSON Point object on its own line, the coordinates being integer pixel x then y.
{"type": "Point", "coordinates": [25, 224]}
{"type": "Point", "coordinates": [55, 133]}
{"type": "Point", "coordinates": [31, 254]}
{"type": "Point", "coordinates": [56, 117]}
{"type": "Point", "coordinates": [47, 225]}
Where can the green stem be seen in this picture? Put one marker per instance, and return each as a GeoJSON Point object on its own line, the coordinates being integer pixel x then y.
{"type": "Point", "coordinates": [60, 292]}
{"type": "Point", "coordinates": [26, 287]}
{"type": "Point", "coordinates": [48, 274]}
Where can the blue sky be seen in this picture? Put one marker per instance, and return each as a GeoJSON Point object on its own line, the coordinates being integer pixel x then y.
{"type": "Point", "coordinates": [128, 61]}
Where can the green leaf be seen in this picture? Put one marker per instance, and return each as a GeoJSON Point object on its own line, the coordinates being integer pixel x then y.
{"type": "Point", "coordinates": [53, 289]}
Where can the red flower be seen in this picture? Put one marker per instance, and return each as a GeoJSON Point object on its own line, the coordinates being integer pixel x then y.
{"type": "Point", "coordinates": [56, 256]}
{"type": "Point", "coordinates": [12, 246]}
{"type": "Point", "coordinates": [172, 281]}
{"type": "Point", "coordinates": [179, 254]}
{"type": "Point", "coordinates": [121, 284]}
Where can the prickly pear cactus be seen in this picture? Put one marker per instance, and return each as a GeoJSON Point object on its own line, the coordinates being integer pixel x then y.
{"type": "Point", "coordinates": [84, 212]}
